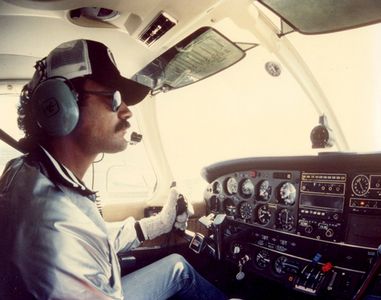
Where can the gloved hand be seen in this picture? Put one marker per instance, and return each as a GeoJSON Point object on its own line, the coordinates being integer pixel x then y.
{"type": "Point", "coordinates": [166, 219]}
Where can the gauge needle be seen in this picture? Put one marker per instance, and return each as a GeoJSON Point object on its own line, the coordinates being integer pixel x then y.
{"type": "Point", "coordinates": [362, 187]}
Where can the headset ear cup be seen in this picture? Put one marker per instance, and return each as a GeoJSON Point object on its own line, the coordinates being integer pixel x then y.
{"type": "Point", "coordinates": [55, 107]}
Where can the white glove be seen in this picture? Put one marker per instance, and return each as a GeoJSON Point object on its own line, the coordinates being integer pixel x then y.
{"type": "Point", "coordinates": [164, 221]}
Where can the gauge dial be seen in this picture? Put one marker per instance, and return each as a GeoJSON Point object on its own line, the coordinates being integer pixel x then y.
{"type": "Point", "coordinates": [360, 185]}
{"type": "Point", "coordinates": [262, 259]}
{"type": "Point", "coordinates": [287, 193]}
{"type": "Point", "coordinates": [231, 185]}
{"type": "Point", "coordinates": [280, 265]}
{"type": "Point", "coordinates": [247, 187]}
{"type": "Point", "coordinates": [285, 220]}
{"type": "Point", "coordinates": [264, 190]}
{"type": "Point", "coordinates": [263, 214]}
{"type": "Point", "coordinates": [214, 203]}
{"type": "Point", "coordinates": [245, 210]}
{"type": "Point", "coordinates": [216, 187]}
{"type": "Point", "coordinates": [229, 207]}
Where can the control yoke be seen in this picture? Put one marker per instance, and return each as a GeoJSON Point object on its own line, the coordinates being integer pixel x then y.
{"type": "Point", "coordinates": [370, 277]}
{"type": "Point", "coordinates": [217, 233]}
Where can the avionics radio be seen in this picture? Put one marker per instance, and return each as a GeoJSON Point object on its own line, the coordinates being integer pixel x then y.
{"type": "Point", "coordinates": [364, 211]}
{"type": "Point", "coordinates": [321, 206]}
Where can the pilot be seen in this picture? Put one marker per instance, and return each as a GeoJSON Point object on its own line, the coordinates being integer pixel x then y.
{"type": "Point", "coordinates": [54, 239]}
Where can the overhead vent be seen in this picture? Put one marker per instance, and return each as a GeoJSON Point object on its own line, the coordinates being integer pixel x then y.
{"type": "Point", "coordinates": [94, 16]}
{"type": "Point", "coordinates": [97, 13]}
{"type": "Point", "coordinates": [157, 28]}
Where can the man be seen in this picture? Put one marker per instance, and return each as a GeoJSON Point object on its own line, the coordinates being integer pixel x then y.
{"type": "Point", "coordinates": [55, 242]}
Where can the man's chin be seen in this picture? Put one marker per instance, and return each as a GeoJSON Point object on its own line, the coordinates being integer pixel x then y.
{"type": "Point", "coordinates": [119, 147]}
{"type": "Point", "coordinates": [122, 146]}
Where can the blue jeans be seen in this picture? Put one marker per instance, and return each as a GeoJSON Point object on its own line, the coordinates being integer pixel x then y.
{"type": "Point", "coordinates": [167, 277]}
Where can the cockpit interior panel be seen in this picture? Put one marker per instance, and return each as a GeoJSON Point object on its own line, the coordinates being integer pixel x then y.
{"type": "Point", "coordinates": [310, 223]}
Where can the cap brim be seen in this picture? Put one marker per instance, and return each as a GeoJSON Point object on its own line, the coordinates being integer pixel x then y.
{"type": "Point", "coordinates": [132, 92]}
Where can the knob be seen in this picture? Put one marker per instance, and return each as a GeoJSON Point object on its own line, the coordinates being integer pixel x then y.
{"type": "Point", "coordinates": [309, 229]}
{"type": "Point", "coordinates": [236, 249]}
{"type": "Point", "coordinates": [329, 233]}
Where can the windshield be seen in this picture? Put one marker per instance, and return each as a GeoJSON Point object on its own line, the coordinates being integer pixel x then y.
{"type": "Point", "coordinates": [246, 112]}
{"type": "Point", "coordinates": [230, 121]}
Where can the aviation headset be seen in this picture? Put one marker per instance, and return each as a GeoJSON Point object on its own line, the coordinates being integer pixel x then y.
{"type": "Point", "coordinates": [55, 106]}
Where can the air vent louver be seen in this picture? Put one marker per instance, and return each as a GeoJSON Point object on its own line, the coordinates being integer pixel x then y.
{"type": "Point", "coordinates": [160, 25]}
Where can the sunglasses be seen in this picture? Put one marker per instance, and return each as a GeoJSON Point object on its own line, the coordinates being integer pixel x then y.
{"type": "Point", "coordinates": [116, 97]}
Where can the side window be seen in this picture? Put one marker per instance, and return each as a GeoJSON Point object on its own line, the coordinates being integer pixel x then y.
{"type": "Point", "coordinates": [8, 123]}
{"type": "Point", "coordinates": [125, 176]}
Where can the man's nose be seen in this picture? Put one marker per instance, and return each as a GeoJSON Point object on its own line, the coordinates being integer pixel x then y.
{"type": "Point", "coordinates": [124, 112]}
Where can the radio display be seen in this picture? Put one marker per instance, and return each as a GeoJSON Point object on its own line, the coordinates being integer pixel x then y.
{"type": "Point", "coordinates": [320, 201]}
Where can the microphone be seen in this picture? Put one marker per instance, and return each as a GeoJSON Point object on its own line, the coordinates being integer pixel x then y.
{"type": "Point", "coordinates": [135, 138]}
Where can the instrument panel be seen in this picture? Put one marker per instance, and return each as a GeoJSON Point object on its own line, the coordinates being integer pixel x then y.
{"type": "Point", "coordinates": [264, 198]}
{"type": "Point", "coordinates": [294, 218]}
{"type": "Point", "coordinates": [316, 205]}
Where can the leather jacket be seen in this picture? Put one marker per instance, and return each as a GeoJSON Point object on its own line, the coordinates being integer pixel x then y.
{"type": "Point", "coordinates": [55, 242]}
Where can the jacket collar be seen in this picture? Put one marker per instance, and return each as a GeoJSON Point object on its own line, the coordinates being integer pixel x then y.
{"type": "Point", "coordinates": [61, 173]}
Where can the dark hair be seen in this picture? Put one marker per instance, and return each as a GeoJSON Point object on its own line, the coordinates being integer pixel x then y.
{"type": "Point", "coordinates": [34, 135]}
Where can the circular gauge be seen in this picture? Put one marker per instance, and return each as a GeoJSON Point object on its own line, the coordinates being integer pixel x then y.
{"type": "Point", "coordinates": [285, 220]}
{"type": "Point", "coordinates": [231, 185]}
{"type": "Point", "coordinates": [247, 188]}
{"type": "Point", "coordinates": [263, 214]}
{"type": "Point", "coordinates": [262, 259]}
{"type": "Point", "coordinates": [360, 185]}
{"type": "Point", "coordinates": [216, 187]}
{"type": "Point", "coordinates": [245, 210]}
{"type": "Point", "coordinates": [280, 265]}
{"type": "Point", "coordinates": [229, 207]}
{"type": "Point", "coordinates": [264, 190]}
{"type": "Point", "coordinates": [287, 193]}
{"type": "Point", "coordinates": [214, 203]}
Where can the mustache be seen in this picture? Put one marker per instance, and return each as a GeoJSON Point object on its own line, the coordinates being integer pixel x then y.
{"type": "Point", "coordinates": [122, 125]}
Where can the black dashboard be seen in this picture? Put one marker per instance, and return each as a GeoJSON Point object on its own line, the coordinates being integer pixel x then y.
{"type": "Point", "coordinates": [311, 223]}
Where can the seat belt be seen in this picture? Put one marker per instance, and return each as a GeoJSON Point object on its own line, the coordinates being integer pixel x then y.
{"type": "Point", "coordinates": [5, 137]}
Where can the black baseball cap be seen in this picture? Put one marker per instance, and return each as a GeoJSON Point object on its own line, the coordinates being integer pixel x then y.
{"type": "Point", "coordinates": [87, 58]}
